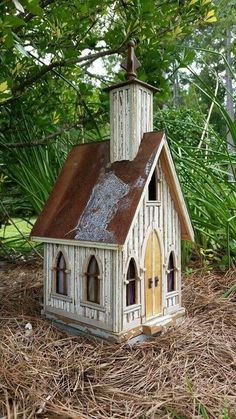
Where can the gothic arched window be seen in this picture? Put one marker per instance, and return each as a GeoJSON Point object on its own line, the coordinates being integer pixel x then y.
{"type": "Point", "coordinates": [152, 188]}
{"type": "Point", "coordinates": [93, 281]}
{"type": "Point", "coordinates": [171, 274]}
{"type": "Point", "coordinates": [131, 284]}
{"type": "Point", "coordinates": [61, 275]}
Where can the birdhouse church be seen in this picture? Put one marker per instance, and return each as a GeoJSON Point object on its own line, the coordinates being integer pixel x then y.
{"type": "Point", "coordinates": [113, 224]}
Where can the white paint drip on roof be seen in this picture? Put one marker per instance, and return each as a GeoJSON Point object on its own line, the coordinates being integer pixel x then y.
{"type": "Point", "coordinates": [139, 182]}
{"type": "Point", "coordinates": [100, 209]}
{"type": "Point", "coordinates": [149, 163]}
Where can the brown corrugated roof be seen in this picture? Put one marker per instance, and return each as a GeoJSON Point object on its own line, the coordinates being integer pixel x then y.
{"type": "Point", "coordinates": [93, 200]}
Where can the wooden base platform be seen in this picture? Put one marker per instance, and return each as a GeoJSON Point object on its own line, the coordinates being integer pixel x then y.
{"type": "Point", "coordinates": [142, 332]}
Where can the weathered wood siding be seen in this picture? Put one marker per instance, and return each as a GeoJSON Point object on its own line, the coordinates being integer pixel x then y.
{"type": "Point", "coordinates": [162, 217]}
{"type": "Point", "coordinates": [112, 314]}
{"type": "Point", "coordinates": [75, 304]}
{"type": "Point", "coordinates": [131, 115]}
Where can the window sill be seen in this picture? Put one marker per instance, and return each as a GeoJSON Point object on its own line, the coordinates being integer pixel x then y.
{"type": "Point", "coordinates": [67, 271]}
{"type": "Point", "coordinates": [95, 306]}
{"type": "Point", "coordinates": [172, 293]}
{"type": "Point", "coordinates": [153, 203]}
{"type": "Point", "coordinates": [61, 297]}
{"type": "Point", "coordinates": [132, 308]}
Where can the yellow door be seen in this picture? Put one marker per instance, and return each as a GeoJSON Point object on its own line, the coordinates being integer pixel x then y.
{"type": "Point", "coordinates": [157, 274]}
{"type": "Point", "coordinates": [153, 276]}
{"type": "Point", "coordinates": [148, 278]}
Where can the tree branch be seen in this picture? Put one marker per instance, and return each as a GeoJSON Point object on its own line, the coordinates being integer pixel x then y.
{"type": "Point", "coordinates": [42, 141]}
{"type": "Point", "coordinates": [98, 77]}
{"type": "Point", "coordinates": [47, 68]}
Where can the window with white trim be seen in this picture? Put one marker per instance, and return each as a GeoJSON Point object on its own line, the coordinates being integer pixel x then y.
{"type": "Point", "coordinates": [131, 284]}
{"type": "Point", "coordinates": [61, 276]}
{"type": "Point", "coordinates": [152, 188]}
{"type": "Point", "coordinates": [92, 286]}
{"type": "Point", "coordinates": [171, 286]}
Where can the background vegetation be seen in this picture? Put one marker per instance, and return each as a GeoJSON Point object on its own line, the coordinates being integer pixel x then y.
{"type": "Point", "coordinates": [56, 57]}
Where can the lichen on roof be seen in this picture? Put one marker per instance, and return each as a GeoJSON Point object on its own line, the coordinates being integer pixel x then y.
{"type": "Point", "coordinates": [100, 209]}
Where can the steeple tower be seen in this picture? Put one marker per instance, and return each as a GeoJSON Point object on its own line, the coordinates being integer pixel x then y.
{"type": "Point", "coordinates": [131, 111]}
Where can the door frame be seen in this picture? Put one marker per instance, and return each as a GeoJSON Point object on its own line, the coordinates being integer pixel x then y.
{"type": "Point", "coordinates": [152, 228]}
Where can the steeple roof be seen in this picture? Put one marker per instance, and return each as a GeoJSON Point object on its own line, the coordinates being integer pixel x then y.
{"type": "Point", "coordinates": [130, 64]}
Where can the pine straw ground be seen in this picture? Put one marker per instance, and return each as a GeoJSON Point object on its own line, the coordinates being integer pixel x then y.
{"type": "Point", "coordinates": [188, 372]}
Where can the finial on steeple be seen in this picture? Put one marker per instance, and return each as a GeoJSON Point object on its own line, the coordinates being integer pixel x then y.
{"type": "Point", "coordinates": [131, 63]}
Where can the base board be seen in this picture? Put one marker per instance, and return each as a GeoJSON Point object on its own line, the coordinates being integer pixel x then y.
{"type": "Point", "coordinates": [138, 334]}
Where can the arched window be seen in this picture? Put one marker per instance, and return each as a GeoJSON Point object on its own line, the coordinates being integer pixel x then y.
{"type": "Point", "coordinates": [131, 288]}
{"type": "Point", "coordinates": [171, 274]}
{"type": "Point", "coordinates": [93, 281]}
{"type": "Point", "coordinates": [152, 188]}
{"type": "Point", "coordinates": [61, 275]}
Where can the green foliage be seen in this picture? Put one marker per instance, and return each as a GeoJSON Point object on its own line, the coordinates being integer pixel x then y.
{"type": "Point", "coordinates": [204, 174]}
{"type": "Point", "coordinates": [33, 169]}
{"type": "Point", "coordinates": [10, 236]}
{"type": "Point", "coordinates": [77, 26]}
{"type": "Point", "coordinates": [230, 291]}
{"type": "Point", "coordinates": [51, 99]}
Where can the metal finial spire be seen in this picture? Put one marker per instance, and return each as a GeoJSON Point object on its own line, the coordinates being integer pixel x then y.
{"type": "Point", "coordinates": [131, 63]}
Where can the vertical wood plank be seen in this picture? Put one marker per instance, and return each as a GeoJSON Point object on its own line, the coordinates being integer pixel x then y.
{"type": "Point", "coordinates": [130, 116]}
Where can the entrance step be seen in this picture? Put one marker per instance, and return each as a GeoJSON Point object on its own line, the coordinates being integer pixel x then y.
{"type": "Point", "coordinates": [158, 325]}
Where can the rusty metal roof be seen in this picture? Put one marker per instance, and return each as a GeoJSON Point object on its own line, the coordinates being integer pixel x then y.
{"type": "Point", "coordinates": [93, 200]}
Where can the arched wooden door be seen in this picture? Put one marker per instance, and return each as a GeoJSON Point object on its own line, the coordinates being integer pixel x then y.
{"type": "Point", "coordinates": [153, 276]}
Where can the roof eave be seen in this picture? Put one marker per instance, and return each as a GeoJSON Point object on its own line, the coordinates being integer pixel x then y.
{"type": "Point", "coordinates": [132, 81]}
{"type": "Point", "coordinates": [187, 232]}
{"type": "Point", "coordinates": [79, 243]}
